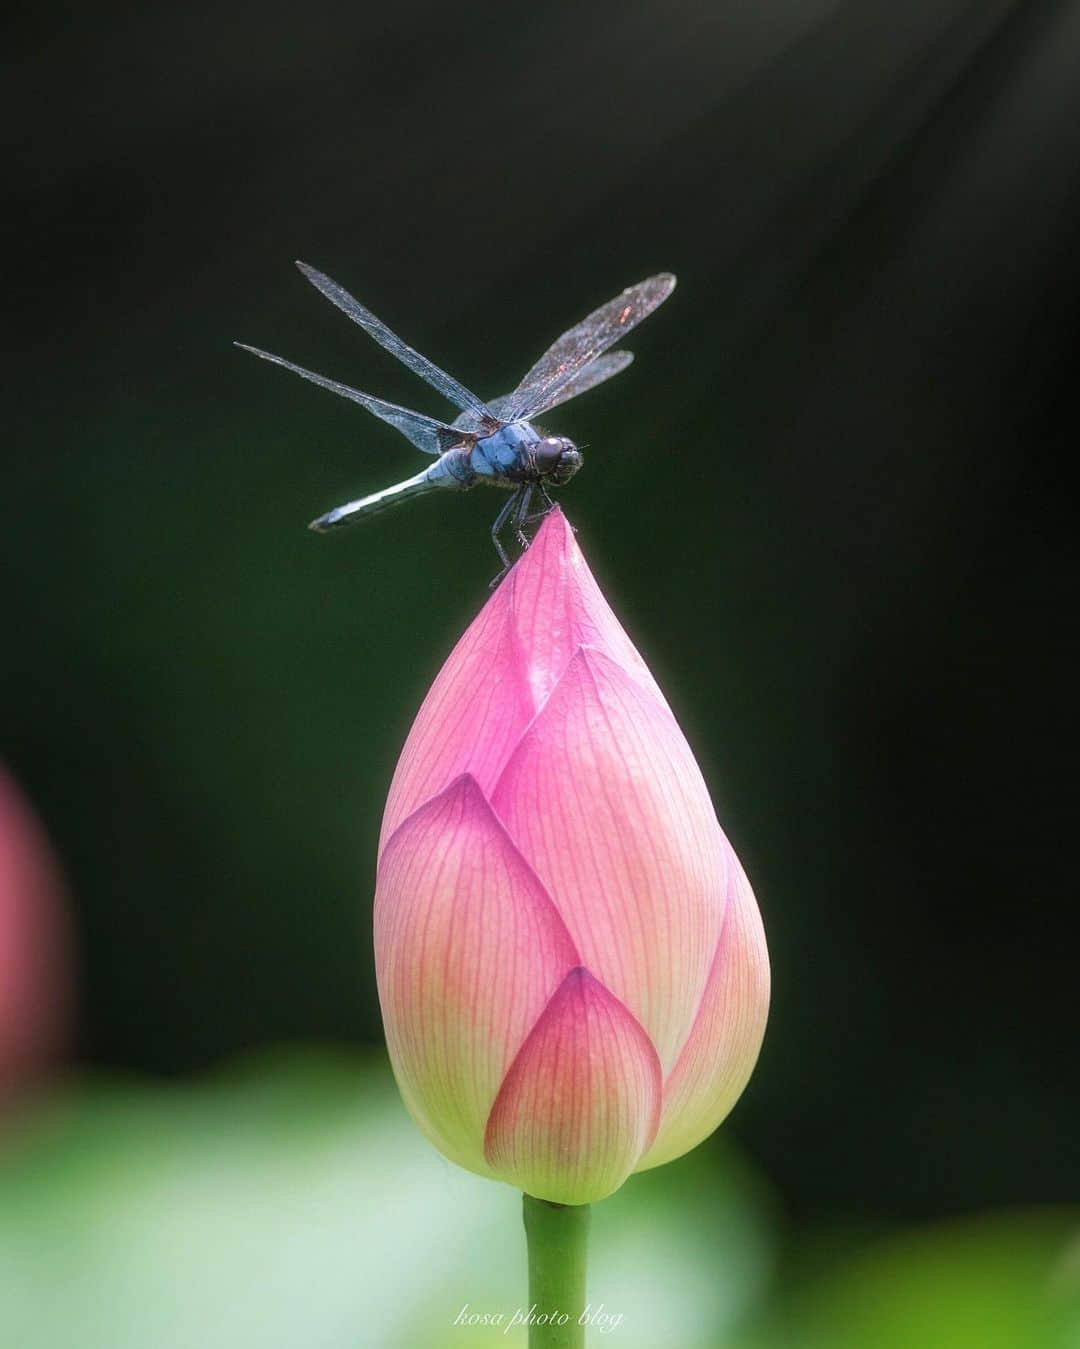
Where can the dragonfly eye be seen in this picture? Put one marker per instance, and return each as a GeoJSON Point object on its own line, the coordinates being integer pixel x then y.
{"type": "Point", "coordinates": [557, 459]}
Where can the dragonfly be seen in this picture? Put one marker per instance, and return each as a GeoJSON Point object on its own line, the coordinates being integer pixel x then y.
{"type": "Point", "coordinates": [494, 443]}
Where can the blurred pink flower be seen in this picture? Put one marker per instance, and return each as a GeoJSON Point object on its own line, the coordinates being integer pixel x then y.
{"type": "Point", "coordinates": [571, 964]}
{"type": "Point", "coordinates": [33, 945]}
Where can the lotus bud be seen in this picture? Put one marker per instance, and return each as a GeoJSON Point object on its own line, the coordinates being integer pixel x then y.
{"type": "Point", "coordinates": [571, 964]}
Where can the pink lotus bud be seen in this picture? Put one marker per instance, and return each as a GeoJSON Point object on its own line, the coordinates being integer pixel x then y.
{"type": "Point", "coordinates": [33, 945]}
{"type": "Point", "coordinates": [571, 964]}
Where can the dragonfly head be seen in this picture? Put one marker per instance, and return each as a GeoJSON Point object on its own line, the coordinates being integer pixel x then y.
{"type": "Point", "coordinates": [557, 459]}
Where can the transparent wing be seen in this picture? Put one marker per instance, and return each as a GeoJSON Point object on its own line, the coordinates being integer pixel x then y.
{"type": "Point", "coordinates": [420, 365]}
{"type": "Point", "coordinates": [594, 373]}
{"type": "Point", "coordinates": [427, 434]}
{"type": "Point", "coordinates": [560, 364]}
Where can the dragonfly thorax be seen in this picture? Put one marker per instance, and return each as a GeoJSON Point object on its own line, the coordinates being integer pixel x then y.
{"type": "Point", "coordinates": [517, 453]}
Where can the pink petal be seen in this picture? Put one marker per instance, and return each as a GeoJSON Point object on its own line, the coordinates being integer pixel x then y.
{"type": "Point", "coordinates": [471, 718]}
{"type": "Point", "coordinates": [504, 667]}
{"type": "Point", "coordinates": [468, 950]}
{"type": "Point", "coordinates": [719, 1056]}
{"type": "Point", "coordinates": [558, 607]}
{"type": "Point", "coordinates": [606, 802]}
{"type": "Point", "coordinates": [580, 1104]}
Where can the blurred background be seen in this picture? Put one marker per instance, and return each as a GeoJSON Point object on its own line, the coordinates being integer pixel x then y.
{"type": "Point", "coordinates": [829, 501]}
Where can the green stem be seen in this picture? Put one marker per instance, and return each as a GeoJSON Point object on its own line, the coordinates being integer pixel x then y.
{"type": "Point", "coordinates": [558, 1237]}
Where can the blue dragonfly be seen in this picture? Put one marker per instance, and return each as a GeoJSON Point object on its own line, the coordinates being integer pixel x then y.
{"type": "Point", "coordinates": [495, 442]}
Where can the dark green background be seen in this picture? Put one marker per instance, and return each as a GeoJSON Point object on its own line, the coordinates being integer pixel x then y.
{"type": "Point", "coordinates": [828, 501]}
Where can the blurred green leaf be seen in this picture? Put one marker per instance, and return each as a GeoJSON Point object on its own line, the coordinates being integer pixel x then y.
{"type": "Point", "coordinates": [293, 1205]}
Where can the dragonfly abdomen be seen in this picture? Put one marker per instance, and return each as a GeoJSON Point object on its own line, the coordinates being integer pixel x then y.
{"type": "Point", "coordinates": [450, 472]}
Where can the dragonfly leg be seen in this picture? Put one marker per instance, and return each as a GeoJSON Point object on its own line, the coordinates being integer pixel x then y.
{"type": "Point", "coordinates": [496, 530]}
{"type": "Point", "coordinates": [521, 515]}
{"type": "Point", "coordinates": [549, 506]}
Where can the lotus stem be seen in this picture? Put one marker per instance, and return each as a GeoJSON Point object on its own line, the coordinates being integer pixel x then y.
{"type": "Point", "coordinates": [557, 1236]}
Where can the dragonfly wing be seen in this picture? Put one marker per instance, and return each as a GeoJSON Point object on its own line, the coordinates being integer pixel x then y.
{"type": "Point", "coordinates": [485, 426]}
{"type": "Point", "coordinates": [562, 363]}
{"type": "Point", "coordinates": [594, 373]}
{"type": "Point", "coordinates": [427, 434]}
{"type": "Point", "coordinates": [420, 365]}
